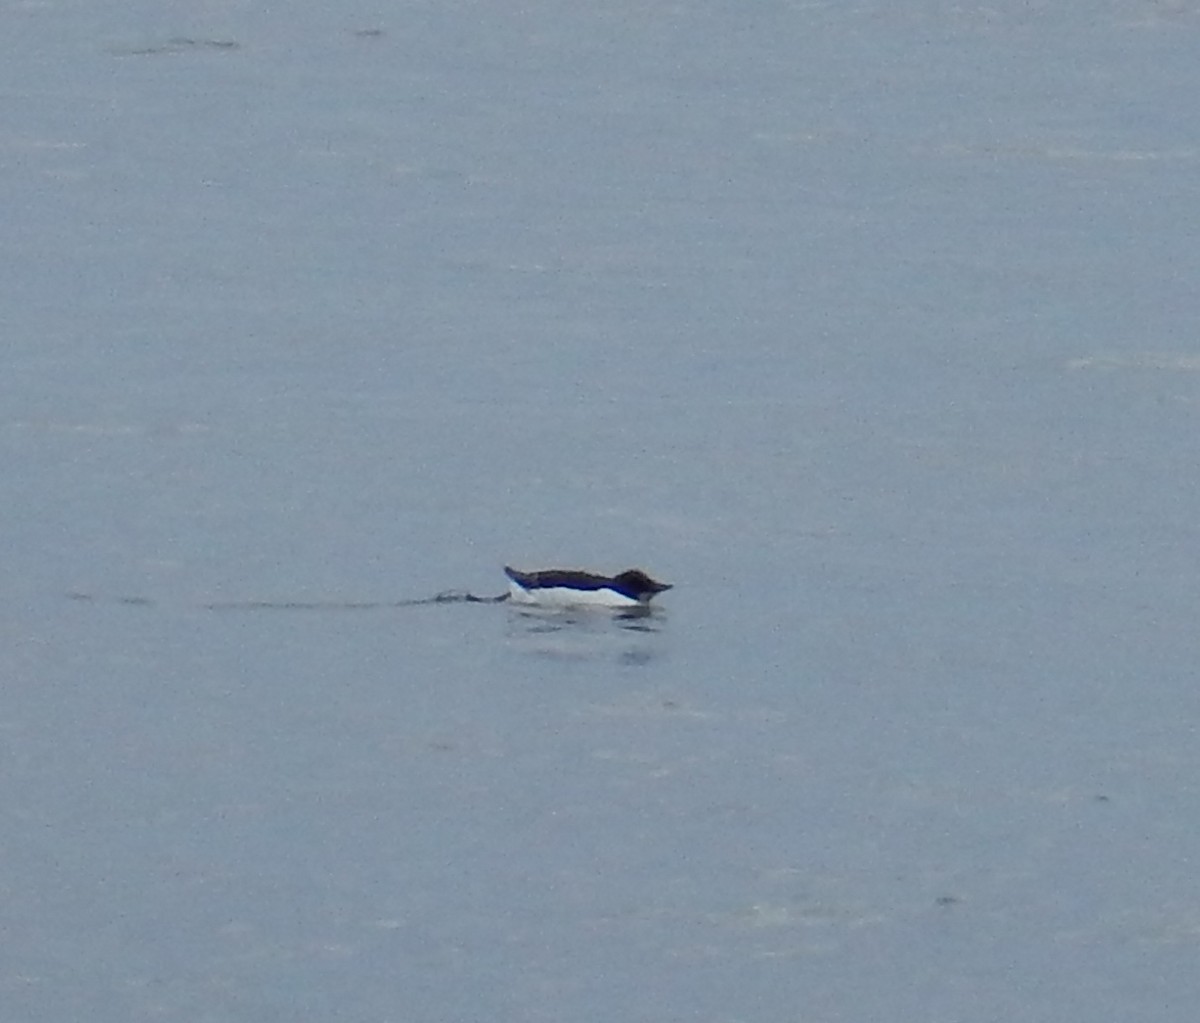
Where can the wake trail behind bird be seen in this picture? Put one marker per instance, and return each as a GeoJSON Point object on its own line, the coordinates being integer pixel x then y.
{"type": "Point", "coordinates": [445, 597]}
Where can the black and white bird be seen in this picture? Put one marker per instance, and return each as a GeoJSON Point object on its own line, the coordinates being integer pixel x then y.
{"type": "Point", "coordinates": [557, 587]}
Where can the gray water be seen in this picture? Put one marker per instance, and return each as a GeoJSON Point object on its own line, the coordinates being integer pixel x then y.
{"type": "Point", "coordinates": [872, 327]}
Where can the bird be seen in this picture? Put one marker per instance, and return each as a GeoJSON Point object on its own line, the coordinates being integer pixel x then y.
{"type": "Point", "coordinates": [558, 587]}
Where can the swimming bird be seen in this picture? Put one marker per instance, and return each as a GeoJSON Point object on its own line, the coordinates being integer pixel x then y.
{"type": "Point", "coordinates": [557, 587]}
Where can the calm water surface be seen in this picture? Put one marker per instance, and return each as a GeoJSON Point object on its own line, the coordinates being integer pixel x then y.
{"type": "Point", "coordinates": [873, 330]}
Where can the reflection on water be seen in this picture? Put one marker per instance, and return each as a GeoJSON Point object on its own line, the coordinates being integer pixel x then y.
{"type": "Point", "coordinates": [627, 636]}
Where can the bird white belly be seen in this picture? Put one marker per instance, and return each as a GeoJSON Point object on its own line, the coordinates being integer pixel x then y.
{"type": "Point", "coordinates": [565, 596]}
